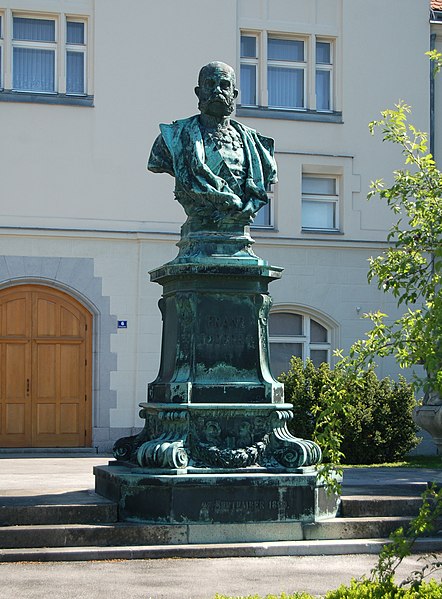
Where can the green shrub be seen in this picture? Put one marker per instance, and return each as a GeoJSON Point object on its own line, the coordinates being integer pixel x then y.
{"type": "Point", "coordinates": [282, 596]}
{"type": "Point", "coordinates": [363, 589]}
{"type": "Point", "coordinates": [377, 426]}
{"type": "Point", "coordinates": [368, 589]}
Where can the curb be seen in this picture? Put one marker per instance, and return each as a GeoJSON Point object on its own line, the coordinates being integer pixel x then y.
{"type": "Point", "coordinates": [270, 549]}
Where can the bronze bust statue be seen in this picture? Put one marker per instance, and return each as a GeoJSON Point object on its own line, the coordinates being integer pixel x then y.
{"type": "Point", "coordinates": [222, 168]}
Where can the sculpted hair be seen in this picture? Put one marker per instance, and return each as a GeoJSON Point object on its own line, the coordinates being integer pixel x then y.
{"type": "Point", "coordinates": [215, 65]}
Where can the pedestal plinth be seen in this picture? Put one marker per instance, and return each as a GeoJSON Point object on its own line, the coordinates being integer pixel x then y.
{"type": "Point", "coordinates": [243, 496]}
{"type": "Point", "coordinates": [215, 447]}
{"type": "Point", "coordinates": [214, 345]}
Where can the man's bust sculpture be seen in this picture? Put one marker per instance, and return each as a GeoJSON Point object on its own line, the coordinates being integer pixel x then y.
{"type": "Point", "coordinates": [222, 168]}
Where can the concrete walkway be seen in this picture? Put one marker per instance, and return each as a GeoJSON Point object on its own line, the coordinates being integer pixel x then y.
{"type": "Point", "coordinates": [22, 475]}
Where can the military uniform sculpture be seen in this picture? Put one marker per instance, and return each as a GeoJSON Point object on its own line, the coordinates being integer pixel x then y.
{"type": "Point", "coordinates": [222, 168]}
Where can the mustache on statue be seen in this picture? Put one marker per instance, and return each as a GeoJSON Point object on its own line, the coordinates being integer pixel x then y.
{"type": "Point", "coordinates": [202, 105]}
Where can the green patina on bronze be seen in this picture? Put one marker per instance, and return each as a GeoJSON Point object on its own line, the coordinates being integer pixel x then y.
{"type": "Point", "coordinates": [215, 402]}
{"type": "Point", "coordinates": [221, 167]}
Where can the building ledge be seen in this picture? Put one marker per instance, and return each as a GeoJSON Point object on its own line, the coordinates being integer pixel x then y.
{"type": "Point", "coordinates": [262, 112]}
{"type": "Point", "coordinates": [7, 95]}
{"type": "Point", "coordinates": [322, 231]}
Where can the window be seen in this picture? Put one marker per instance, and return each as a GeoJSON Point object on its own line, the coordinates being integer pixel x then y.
{"type": "Point", "coordinates": [286, 72]}
{"type": "Point", "coordinates": [264, 216]}
{"type": "Point", "coordinates": [249, 70]}
{"type": "Point", "coordinates": [48, 55]}
{"type": "Point", "coordinates": [299, 335]}
{"type": "Point", "coordinates": [75, 57]}
{"type": "Point", "coordinates": [324, 79]}
{"type": "Point", "coordinates": [33, 54]}
{"type": "Point", "coordinates": [320, 197]}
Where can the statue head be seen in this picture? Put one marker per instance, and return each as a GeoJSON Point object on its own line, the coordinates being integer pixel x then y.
{"type": "Point", "coordinates": [216, 89]}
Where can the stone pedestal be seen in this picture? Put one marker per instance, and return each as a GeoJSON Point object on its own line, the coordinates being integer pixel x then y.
{"type": "Point", "coordinates": [209, 497]}
{"type": "Point", "coordinates": [215, 447]}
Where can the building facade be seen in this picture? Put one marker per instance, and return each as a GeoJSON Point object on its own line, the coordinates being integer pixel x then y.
{"type": "Point", "coordinates": [83, 87]}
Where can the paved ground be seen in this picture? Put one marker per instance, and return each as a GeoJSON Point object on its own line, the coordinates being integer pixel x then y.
{"type": "Point", "coordinates": [22, 475]}
{"type": "Point", "coordinates": [183, 578]}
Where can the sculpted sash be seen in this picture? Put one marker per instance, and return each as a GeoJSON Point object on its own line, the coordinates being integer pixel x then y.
{"type": "Point", "coordinates": [179, 150]}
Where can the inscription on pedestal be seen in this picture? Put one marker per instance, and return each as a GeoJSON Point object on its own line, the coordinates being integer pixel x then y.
{"type": "Point", "coordinates": [226, 339]}
{"type": "Point", "coordinates": [242, 504]}
{"type": "Point", "coordinates": [226, 506]}
{"type": "Point", "coordinates": [227, 331]}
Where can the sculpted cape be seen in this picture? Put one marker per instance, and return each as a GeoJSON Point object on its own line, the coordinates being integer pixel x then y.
{"type": "Point", "coordinates": [179, 151]}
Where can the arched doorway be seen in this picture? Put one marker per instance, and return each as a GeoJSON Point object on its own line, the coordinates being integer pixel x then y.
{"type": "Point", "coordinates": [45, 369]}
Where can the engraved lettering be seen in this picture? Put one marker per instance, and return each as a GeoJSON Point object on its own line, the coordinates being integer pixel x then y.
{"type": "Point", "coordinates": [222, 506]}
{"type": "Point", "coordinates": [225, 322]}
{"type": "Point", "coordinates": [236, 340]}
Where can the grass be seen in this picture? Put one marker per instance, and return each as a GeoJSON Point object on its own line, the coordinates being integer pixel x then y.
{"type": "Point", "coordinates": [416, 461]}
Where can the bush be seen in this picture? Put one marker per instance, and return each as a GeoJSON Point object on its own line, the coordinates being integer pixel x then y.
{"type": "Point", "coordinates": [282, 596]}
{"type": "Point", "coordinates": [377, 426]}
{"type": "Point", "coordinates": [368, 589]}
{"type": "Point", "coordinates": [364, 589]}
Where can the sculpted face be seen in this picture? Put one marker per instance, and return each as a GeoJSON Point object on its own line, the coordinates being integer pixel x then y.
{"type": "Point", "coordinates": [216, 90]}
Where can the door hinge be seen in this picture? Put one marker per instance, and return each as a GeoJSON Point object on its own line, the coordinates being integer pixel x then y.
{"type": "Point", "coordinates": [85, 327]}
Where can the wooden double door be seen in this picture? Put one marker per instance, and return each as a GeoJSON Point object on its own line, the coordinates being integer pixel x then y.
{"type": "Point", "coordinates": [45, 369]}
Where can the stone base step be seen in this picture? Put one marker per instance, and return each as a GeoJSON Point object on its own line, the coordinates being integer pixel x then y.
{"type": "Point", "coordinates": [133, 534]}
{"type": "Point", "coordinates": [76, 507]}
{"type": "Point", "coordinates": [83, 535]}
{"type": "Point", "coordinates": [408, 489]}
{"type": "Point", "coordinates": [357, 506]}
{"type": "Point", "coordinates": [30, 529]}
{"type": "Point", "coordinates": [90, 508]}
{"type": "Point", "coordinates": [354, 528]}
{"type": "Point", "coordinates": [95, 513]}
{"type": "Point", "coordinates": [126, 533]}
{"type": "Point", "coordinates": [267, 549]}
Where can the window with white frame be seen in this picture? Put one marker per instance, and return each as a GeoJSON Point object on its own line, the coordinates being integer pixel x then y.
{"type": "Point", "coordinates": [299, 335]}
{"type": "Point", "coordinates": [48, 54]}
{"type": "Point", "coordinates": [33, 54]}
{"type": "Point", "coordinates": [249, 70]}
{"type": "Point", "coordinates": [286, 72]}
{"type": "Point", "coordinates": [320, 203]}
{"type": "Point", "coordinates": [264, 216]}
{"type": "Point", "coordinates": [75, 57]}
{"type": "Point", "coordinates": [324, 75]}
